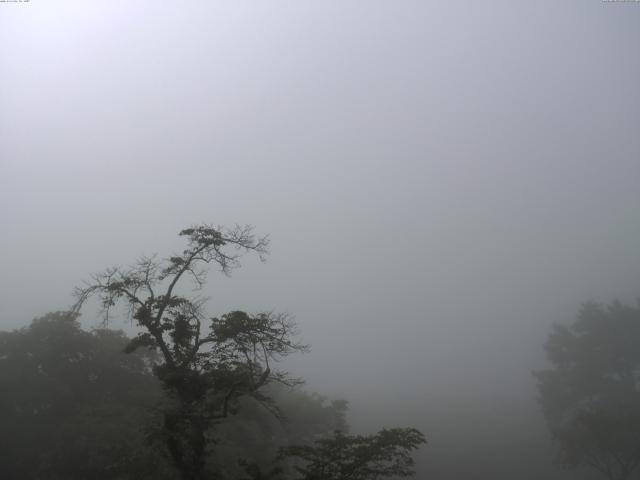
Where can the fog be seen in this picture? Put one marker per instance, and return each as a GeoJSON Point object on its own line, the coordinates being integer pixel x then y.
{"type": "Point", "coordinates": [441, 182]}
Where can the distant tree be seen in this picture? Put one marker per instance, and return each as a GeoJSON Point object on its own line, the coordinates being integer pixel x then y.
{"type": "Point", "coordinates": [255, 435]}
{"type": "Point", "coordinates": [206, 366]}
{"type": "Point", "coordinates": [386, 454]}
{"type": "Point", "coordinates": [591, 395]}
{"type": "Point", "coordinates": [73, 406]}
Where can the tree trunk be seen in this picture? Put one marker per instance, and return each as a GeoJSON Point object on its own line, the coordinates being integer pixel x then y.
{"type": "Point", "coordinates": [186, 443]}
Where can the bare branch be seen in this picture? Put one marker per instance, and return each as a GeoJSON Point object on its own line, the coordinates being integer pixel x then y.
{"type": "Point", "coordinates": [207, 370]}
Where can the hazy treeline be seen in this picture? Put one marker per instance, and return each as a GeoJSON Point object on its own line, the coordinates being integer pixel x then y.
{"type": "Point", "coordinates": [75, 405]}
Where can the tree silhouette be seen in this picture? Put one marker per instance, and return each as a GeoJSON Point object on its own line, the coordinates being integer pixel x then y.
{"type": "Point", "coordinates": [357, 457]}
{"type": "Point", "coordinates": [74, 406]}
{"type": "Point", "coordinates": [207, 364]}
{"type": "Point", "coordinates": [591, 396]}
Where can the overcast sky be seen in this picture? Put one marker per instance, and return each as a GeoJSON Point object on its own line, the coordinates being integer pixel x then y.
{"type": "Point", "coordinates": [441, 180]}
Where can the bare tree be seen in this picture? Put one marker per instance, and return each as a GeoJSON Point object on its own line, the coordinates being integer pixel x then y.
{"type": "Point", "coordinates": [207, 364]}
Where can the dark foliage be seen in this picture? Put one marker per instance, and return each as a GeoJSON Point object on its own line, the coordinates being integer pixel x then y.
{"type": "Point", "coordinates": [73, 406]}
{"type": "Point", "coordinates": [386, 454]}
{"type": "Point", "coordinates": [339, 456]}
{"type": "Point", "coordinates": [207, 366]}
{"type": "Point", "coordinates": [211, 369]}
{"type": "Point", "coordinates": [591, 396]}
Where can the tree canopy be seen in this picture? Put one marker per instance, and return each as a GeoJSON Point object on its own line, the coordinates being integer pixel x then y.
{"type": "Point", "coordinates": [210, 368]}
{"type": "Point", "coordinates": [206, 365]}
{"type": "Point", "coordinates": [591, 395]}
{"type": "Point", "coordinates": [73, 405]}
{"type": "Point", "coordinates": [357, 457]}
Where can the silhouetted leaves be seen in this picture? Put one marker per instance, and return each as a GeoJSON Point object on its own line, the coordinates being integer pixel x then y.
{"type": "Point", "coordinates": [386, 454]}
{"type": "Point", "coordinates": [591, 397]}
{"type": "Point", "coordinates": [206, 367]}
{"type": "Point", "coordinates": [73, 405]}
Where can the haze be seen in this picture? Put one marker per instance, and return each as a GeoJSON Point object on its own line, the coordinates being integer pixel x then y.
{"type": "Point", "coordinates": [441, 181]}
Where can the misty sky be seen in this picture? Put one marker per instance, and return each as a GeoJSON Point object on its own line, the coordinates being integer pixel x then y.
{"type": "Point", "coordinates": [441, 180]}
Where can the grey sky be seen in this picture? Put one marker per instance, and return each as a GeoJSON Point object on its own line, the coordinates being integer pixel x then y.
{"type": "Point", "coordinates": [441, 180]}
